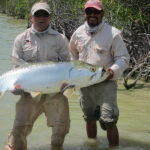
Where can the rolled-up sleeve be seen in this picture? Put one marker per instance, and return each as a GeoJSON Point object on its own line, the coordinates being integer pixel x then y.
{"type": "Point", "coordinates": [17, 53]}
{"type": "Point", "coordinates": [120, 55]}
{"type": "Point", "coordinates": [17, 48]}
{"type": "Point", "coordinates": [73, 48]}
{"type": "Point", "coordinates": [63, 49]}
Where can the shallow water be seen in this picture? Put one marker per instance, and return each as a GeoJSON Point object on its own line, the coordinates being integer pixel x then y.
{"type": "Point", "coordinates": [134, 122]}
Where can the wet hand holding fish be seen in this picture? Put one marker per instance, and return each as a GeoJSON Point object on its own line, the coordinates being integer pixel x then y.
{"type": "Point", "coordinates": [45, 78]}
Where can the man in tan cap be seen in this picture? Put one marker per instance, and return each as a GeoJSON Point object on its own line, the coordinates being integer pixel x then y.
{"type": "Point", "coordinates": [100, 44]}
{"type": "Point", "coordinates": [38, 44]}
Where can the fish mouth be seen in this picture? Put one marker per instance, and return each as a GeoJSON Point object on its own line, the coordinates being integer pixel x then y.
{"type": "Point", "coordinates": [98, 76]}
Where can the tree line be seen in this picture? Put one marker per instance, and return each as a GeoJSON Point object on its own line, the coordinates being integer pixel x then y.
{"type": "Point", "coordinates": [130, 16]}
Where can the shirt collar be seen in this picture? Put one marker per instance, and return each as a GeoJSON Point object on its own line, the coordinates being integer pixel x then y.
{"type": "Point", "coordinates": [95, 29]}
{"type": "Point", "coordinates": [49, 30]}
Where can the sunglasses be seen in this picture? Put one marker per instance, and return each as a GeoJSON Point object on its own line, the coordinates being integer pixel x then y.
{"type": "Point", "coordinates": [42, 14]}
{"type": "Point", "coordinates": [92, 11]}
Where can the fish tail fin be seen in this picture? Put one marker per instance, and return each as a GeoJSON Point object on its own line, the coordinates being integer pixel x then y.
{"type": "Point", "coordinates": [4, 86]}
{"type": "Point", "coordinates": [3, 89]}
{"type": "Point", "coordinates": [2, 93]}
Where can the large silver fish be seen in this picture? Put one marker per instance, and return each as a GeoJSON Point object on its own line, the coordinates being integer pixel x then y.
{"type": "Point", "coordinates": [45, 78]}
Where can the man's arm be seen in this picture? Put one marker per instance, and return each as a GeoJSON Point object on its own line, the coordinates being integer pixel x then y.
{"type": "Point", "coordinates": [17, 61]}
{"type": "Point", "coordinates": [17, 53]}
{"type": "Point", "coordinates": [73, 47]}
{"type": "Point", "coordinates": [120, 56]}
{"type": "Point", "coordinates": [63, 52]}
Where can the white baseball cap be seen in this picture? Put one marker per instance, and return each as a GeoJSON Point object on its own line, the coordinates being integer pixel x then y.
{"type": "Point", "coordinates": [40, 6]}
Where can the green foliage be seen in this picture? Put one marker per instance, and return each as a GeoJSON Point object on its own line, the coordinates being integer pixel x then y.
{"type": "Point", "coordinates": [10, 7]}
{"type": "Point", "coordinates": [128, 15]}
{"type": "Point", "coordinates": [67, 15]}
{"type": "Point", "coordinates": [2, 6]}
{"type": "Point", "coordinates": [18, 8]}
{"type": "Point", "coordinates": [21, 9]}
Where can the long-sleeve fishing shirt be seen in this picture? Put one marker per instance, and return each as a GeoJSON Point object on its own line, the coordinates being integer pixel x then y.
{"type": "Point", "coordinates": [105, 48]}
{"type": "Point", "coordinates": [32, 46]}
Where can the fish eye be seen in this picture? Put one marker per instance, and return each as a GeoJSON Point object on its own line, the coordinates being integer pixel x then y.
{"type": "Point", "coordinates": [93, 69]}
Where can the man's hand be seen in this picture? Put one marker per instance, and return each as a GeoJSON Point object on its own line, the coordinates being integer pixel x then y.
{"type": "Point", "coordinates": [20, 92]}
{"type": "Point", "coordinates": [17, 92]}
{"type": "Point", "coordinates": [110, 74]}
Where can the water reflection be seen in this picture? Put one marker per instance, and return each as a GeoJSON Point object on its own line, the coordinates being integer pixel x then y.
{"type": "Point", "coordinates": [96, 145]}
{"type": "Point", "coordinates": [126, 145]}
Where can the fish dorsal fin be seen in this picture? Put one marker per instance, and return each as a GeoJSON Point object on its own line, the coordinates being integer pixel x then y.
{"type": "Point", "coordinates": [35, 94]}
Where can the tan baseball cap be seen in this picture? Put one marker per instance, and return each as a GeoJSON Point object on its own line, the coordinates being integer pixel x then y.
{"type": "Point", "coordinates": [40, 6]}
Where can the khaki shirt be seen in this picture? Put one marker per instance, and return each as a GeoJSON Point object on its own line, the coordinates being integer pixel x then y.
{"type": "Point", "coordinates": [33, 47]}
{"type": "Point", "coordinates": [105, 48]}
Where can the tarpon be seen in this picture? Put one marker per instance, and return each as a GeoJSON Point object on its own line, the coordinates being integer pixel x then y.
{"type": "Point", "coordinates": [48, 77]}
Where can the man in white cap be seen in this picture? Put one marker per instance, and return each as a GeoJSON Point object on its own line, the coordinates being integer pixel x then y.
{"type": "Point", "coordinates": [38, 44]}
{"type": "Point", "coordinates": [100, 44]}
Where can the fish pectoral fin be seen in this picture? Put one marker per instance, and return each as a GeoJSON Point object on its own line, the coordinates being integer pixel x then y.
{"type": "Point", "coordinates": [68, 91]}
{"type": "Point", "coordinates": [35, 94]}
